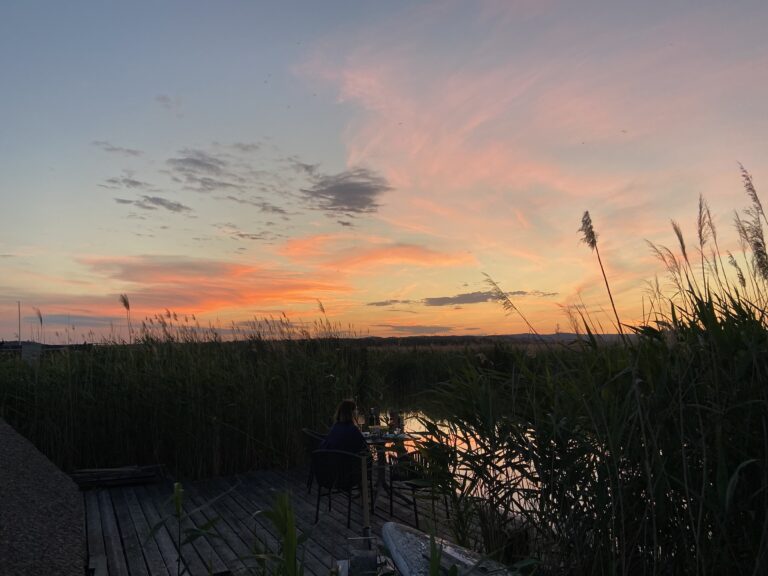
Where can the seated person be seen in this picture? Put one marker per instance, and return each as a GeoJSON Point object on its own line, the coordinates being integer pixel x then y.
{"type": "Point", "coordinates": [345, 435]}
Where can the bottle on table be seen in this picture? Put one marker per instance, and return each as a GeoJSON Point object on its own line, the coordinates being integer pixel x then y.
{"type": "Point", "coordinates": [373, 421]}
{"type": "Point", "coordinates": [395, 422]}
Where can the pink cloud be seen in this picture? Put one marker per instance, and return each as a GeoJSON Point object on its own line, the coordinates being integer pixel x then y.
{"type": "Point", "coordinates": [503, 146]}
{"type": "Point", "coordinates": [496, 125]}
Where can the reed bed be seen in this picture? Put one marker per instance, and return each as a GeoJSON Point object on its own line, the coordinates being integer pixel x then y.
{"type": "Point", "coordinates": [646, 455]}
{"type": "Point", "coordinates": [202, 402]}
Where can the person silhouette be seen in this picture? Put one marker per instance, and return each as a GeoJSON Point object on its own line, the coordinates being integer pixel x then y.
{"type": "Point", "coordinates": [345, 435]}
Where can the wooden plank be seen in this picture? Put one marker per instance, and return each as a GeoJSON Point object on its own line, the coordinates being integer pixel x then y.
{"type": "Point", "coordinates": [151, 552]}
{"type": "Point", "coordinates": [315, 559]}
{"type": "Point", "coordinates": [331, 533]}
{"type": "Point", "coordinates": [110, 477]}
{"type": "Point", "coordinates": [247, 509]}
{"type": "Point", "coordinates": [244, 521]}
{"type": "Point", "coordinates": [132, 546]}
{"type": "Point", "coordinates": [338, 514]}
{"type": "Point", "coordinates": [228, 544]}
{"type": "Point", "coordinates": [331, 530]}
{"type": "Point", "coordinates": [402, 512]}
{"type": "Point", "coordinates": [98, 566]}
{"type": "Point", "coordinates": [196, 565]}
{"type": "Point", "coordinates": [242, 536]}
{"type": "Point", "coordinates": [112, 537]}
{"type": "Point", "coordinates": [97, 556]}
{"type": "Point", "coordinates": [203, 545]}
{"type": "Point", "coordinates": [240, 521]}
{"type": "Point", "coordinates": [339, 509]}
{"type": "Point", "coordinates": [162, 537]}
{"type": "Point", "coordinates": [136, 510]}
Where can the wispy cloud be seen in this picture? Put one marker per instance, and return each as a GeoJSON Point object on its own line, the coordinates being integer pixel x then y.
{"type": "Point", "coordinates": [80, 320]}
{"type": "Point", "coordinates": [302, 168]}
{"type": "Point", "coordinates": [502, 142]}
{"type": "Point", "coordinates": [146, 202]}
{"type": "Point", "coordinates": [289, 187]}
{"type": "Point", "coordinates": [246, 147]}
{"type": "Point", "coordinates": [345, 251]}
{"type": "Point", "coordinates": [466, 298]}
{"type": "Point", "coordinates": [125, 182]}
{"type": "Point", "coordinates": [169, 103]}
{"type": "Point", "coordinates": [397, 254]}
{"type": "Point", "coordinates": [415, 329]}
{"type": "Point", "coordinates": [193, 161]}
{"type": "Point", "coordinates": [107, 146]}
{"type": "Point", "coordinates": [389, 302]}
{"type": "Point", "coordinates": [204, 172]}
{"type": "Point", "coordinates": [233, 231]}
{"type": "Point", "coordinates": [262, 205]}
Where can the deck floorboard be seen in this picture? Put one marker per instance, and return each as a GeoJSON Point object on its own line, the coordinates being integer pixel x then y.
{"type": "Point", "coordinates": [131, 532]}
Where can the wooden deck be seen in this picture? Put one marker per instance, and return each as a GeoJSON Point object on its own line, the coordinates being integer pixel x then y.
{"type": "Point", "coordinates": [120, 523]}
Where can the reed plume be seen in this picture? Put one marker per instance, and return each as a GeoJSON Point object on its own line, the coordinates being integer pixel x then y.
{"type": "Point", "coordinates": [590, 239]}
{"type": "Point", "coordinates": [127, 305]}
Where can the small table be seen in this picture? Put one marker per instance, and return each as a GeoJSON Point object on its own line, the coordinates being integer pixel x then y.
{"type": "Point", "coordinates": [380, 442]}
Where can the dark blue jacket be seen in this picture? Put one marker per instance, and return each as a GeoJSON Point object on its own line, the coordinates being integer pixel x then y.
{"type": "Point", "coordinates": [345, 436]}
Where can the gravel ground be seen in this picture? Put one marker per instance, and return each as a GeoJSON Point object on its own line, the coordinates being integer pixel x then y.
{"type": "Point", "coordinates": [42, 525]}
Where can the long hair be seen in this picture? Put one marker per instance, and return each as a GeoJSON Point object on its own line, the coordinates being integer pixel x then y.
{"type": "Point", "coordinates": [345, 412]}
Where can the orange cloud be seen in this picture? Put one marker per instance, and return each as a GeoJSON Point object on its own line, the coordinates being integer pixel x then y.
{"type": "Point", "coordinates": [346, 253]}
{"type": "Point", "coordinates": [395, 254]}
{"type": "Point", "coordinates": [185, 285]}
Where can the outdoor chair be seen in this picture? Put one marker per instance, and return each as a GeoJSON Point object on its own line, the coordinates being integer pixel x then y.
{"type": "Point", "coordinates": [421, 476]}
{"type": "Point", "coordinates": [336, 472]}
{"type": "Point", "coordinates": [312, 441]}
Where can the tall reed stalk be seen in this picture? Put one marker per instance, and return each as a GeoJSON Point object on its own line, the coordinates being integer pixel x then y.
{"type": "Point", "coordinates": [590, 239]}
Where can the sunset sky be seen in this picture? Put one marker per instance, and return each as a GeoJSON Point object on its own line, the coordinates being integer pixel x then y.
{"type": "Point", "coordinates": [238, 160]}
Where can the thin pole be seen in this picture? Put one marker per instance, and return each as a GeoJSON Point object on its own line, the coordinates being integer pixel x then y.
{"type": "Point", "coordinates": [364, 498]}
{"type": "Point", "coordinates": [18, 305]}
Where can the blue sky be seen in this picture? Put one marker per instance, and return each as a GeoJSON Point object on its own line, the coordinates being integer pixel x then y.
{"type": "Point", "coordinates": [236, 159]}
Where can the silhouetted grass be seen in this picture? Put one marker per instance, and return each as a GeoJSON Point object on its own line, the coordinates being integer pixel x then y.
{"type": "Point", "coordinates": [642, 457]}
{"type": "Point", "coordinates": [183, 397]}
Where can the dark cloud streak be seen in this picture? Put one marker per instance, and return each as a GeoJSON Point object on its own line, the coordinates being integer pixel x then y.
{"type": "Point", "coordinates": [389, 302]}
{"type": "Point", "coordinates": [230, 172]}
{"type": "Point", "coordinates": [197, 162]}
{"type": "Point", "coordinates": [416, 329]}
{"type": "Point", "coordinates": [262, 205]}
{"type": "Point", "coordinates": [246, 147]}
{"type": "Point", "coordinates": [79, 320]}
{"type": "Point", "coordinates": [203, 172]}
{"type": "Point", "coordinates": [107, 146]}
{"type": "Point", "coordinates": [355, 191]}
{"type": "Point", "coordinates": [126, 182]}
{"type": "Point", "coordinates": [479, 297]}
{"type": "Point", "coordinates": [154, 202]}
